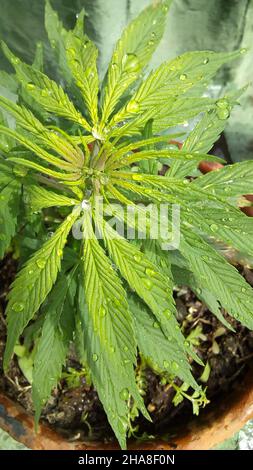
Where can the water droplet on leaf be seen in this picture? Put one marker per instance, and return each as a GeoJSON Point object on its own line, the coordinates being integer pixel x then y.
{"type": "Point", "coordinates": [183, 76]}
{"type": "Point", "coordinates": [175, 365]}
{"type": "Point", "coordinates": [18, 307]}
{"type": "Point", "coordinates": [167, 312]}
{"type": "Point", "coordinates": [41, 263]}
{"type": "Point", "coordinates": [133, 107]}
{"type": "Point", "coordinates": [147, 283]}
{"type": "Point", "coordinates": [150, 272]}
{"type": "Point", "coordinates": [30, 86]}
{"type": "Point", "coordinates": [124, 394]}
{"type": "Point", "coordinates": [213, 227]}
{"type": "Point", "coordinates": [102, 311]}
{"type": "Point", "coordinates": [131, 63]}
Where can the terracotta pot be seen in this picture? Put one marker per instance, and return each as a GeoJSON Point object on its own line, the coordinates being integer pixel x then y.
{"type": "Point", "coordinates": [214, 425]}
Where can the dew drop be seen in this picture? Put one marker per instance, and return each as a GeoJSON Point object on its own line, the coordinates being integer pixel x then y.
{"type": "Point", "coordinates": [15, 60]}
{"type": "Point", "coordinates": [156, 325]}
{"type": "Point", "coordinates": [125, 348]}
{"type": "Point", "coordinates": [175, 365]}
{"type": "Point", "coordinates": [137, 177]}
{"type": "Point", "coordinates": [30, 86]}
{"type": "Point", "coordinates": [137, 258]}
{"type": "Point", "coordinates": [243, 50]}
{"type": "Point", "coordinates": [183, 76]}
{"type": "Point", "coordinates": [131, 63]}
{"type": "Point", "coordinates": [243, 289]}
{"type": "Point", "coordinates": [41, 263]}
{"type": "Point", "coordinates": [147, 283]}
{"type": "Point", "coordinates": [167, 312]}
{"type": "Point", "coordinates": [112, 349]}
{"type": "Point", "coordinates": [124, 394]}
{"type": "Point", "coordinates": [44, 93]}
{"type": "Point", "coordinates": [213, 227]}
{"type": "Point", "coordinates": [102, 311]}
{"type": "Point", "coordinates": [205, 61]}
{"type": "Point", "coordinates": [94, 357]}
{"type": "Point", "coordinates": [18, 307]}
{"type": "Point", "coordinates": [150, 272]}
{"type": "Point", "coordinates": [59, 252]}
{"type": "Point", "coordinates": [133, 107]}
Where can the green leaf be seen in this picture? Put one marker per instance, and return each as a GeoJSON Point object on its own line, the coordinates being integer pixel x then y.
{"type": "Point", "coordinates": [227, 224]}
{"type": "Point", "coordinates": [232, 180]}
{"type": "Point", "coordinates": [38, 62]}
{"type": "Point", "coordinates": [109, 335]}
{"type": "Point", "coordinates": [40, 152]}
{"type": "Point", "coordinates": [182, 156]}
{"type": "Point", "coordinates": [206, 132]}
{"type": "Point", "coordinates": [41, 198]}
{"type": "Point", "coordinates": [177, 111]}
{"type": "Point", "coordinates": [52, 347]}
{"type": "Point", "coordinates": [49, 137]}
{"type": "Point", "coordinates": [9, 210]}
{"type": "Point", "coordinates": [173, 78]}
{"type": "Point", "coordinates": [215, 274]}
{"type": "Point", "coordinates": [82, 60]}
{"type": "Point", "coordinates": [133, 51]}
{"type": "Point", "coordinates": [151, 285]}
{"type": "Point", "coordinates": [57, 35]}
{"type": "Point", "coordinates": [45, 91]}
{"type": "Point", "coordinates": [161, 354]}
{"type": "Point", "coordinates": [33, 283]}
{"type": "Point", "coordinates": [183, 277]}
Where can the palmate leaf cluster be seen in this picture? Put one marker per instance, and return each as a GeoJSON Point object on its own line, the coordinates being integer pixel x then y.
{"type": "Point", "coordinates": [62, 145]}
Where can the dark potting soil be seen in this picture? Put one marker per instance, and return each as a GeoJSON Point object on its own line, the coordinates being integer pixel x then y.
{"type": "Point", "coordinates": [75, 409]}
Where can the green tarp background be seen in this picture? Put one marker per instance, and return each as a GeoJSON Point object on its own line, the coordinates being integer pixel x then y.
{"type": "Point", "coordinates": [192, 24]}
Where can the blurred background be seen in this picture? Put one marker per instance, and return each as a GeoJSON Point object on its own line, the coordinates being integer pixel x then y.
{"type": "Point", "coordinates": [219, 25]}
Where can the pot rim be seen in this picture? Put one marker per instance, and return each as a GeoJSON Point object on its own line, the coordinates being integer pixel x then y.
{"type": "Point", "coordinates": [204, 432]}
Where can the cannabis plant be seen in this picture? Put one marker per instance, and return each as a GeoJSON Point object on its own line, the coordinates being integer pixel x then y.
{"type": "Point", "coordinates": [65, 147]}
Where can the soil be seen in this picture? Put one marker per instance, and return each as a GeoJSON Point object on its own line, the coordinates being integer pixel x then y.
{"type": "Point", "coordinates": [77, 412]}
